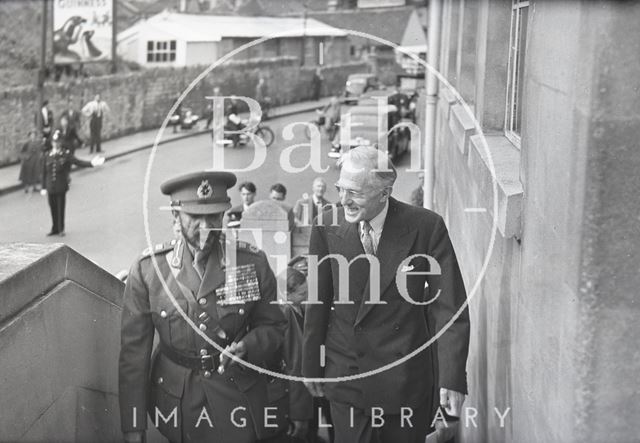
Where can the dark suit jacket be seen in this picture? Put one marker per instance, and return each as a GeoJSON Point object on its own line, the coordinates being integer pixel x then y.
{"type": "Point", "coordinates": [363, 337]}
{"type": "Point", "coordinates": [148, 382]}
{"type": "Point", "coordinates": [73, 116]}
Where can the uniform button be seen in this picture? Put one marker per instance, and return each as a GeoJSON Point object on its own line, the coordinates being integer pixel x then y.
{"type": "Point", "coordinates": [204, 352]}
{"type": "Point", "coordinates": [241, 311]}
{"type": "Point", "coordinates": [206, 374]}
{"type": "Point", "coordinates": [396, 327]}
{"type": "Point", "coordinates": [230, 378]}
{"type": "Point", "coordinates": [202, 301]}
{"type": "Point", "coordinates": [203, 327]}
{"type": "Point", "coordinates": [163, 314]}
{"type": "Point", "coordinates": [222, 334]}
{"type": "Point", "coordinates": [160, 380]}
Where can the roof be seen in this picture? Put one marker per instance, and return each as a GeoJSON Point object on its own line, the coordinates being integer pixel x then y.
{"type": "Point", "coordinates": [388, 23]}
{"type": "Point", "coordinates": [206, 28]}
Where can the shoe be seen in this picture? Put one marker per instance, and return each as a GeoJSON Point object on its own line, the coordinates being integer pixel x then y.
{"type": "Point", "coordinates": [52, 233]}
{"type": "Point", "coordinates": [61, 234]}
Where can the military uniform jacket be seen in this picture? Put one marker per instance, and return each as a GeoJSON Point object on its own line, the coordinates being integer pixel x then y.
{"type": "Point", "coordinates": [56, 169]}
{"type": "Point", "coordinates": [156, 383]}
{"type": "Point", "coordinates": [362, 337]}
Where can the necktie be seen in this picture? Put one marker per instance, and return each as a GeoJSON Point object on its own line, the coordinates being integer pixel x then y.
{"type": "Point", "coordinates": [365, 237]}
{"type": "Point", "coordinates": [200, 262]}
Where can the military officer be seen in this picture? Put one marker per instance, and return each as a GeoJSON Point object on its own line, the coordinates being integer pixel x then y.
{"type": "Point", "coordinates": [191, 392]}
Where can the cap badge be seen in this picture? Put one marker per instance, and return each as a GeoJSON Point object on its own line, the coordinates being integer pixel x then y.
{"type": "Point", "coordinates": [204, 190]}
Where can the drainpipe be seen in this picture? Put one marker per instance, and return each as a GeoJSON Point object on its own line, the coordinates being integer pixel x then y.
{"type": "Point", "coordinates": [431, 85]}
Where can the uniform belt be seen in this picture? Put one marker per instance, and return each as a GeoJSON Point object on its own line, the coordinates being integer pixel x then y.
{"type": "Point", "coordinates": [208, 362]}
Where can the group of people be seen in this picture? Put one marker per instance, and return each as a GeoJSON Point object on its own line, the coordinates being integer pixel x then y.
{"type": "Point", "coordinates": [302, 213]}
{"type": "Point", "coordinates": [347, 357]}
{"type": "Point", "coordinates": [49, 153]}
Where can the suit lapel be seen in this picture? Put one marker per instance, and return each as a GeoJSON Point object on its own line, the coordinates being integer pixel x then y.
{"type": "Point", "coordinates": [395, 245]}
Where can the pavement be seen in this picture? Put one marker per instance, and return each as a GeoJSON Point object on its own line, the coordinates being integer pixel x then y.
{"type": "Point", "coordinates": [129, 144]}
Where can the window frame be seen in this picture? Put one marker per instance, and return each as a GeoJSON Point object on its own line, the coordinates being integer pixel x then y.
{"type": "Point", "coordinates": [513, 100]}
{"type": "Point", "coordinates": [161, 51]}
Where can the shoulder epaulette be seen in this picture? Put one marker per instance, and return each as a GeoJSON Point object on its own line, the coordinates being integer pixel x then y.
{"type": "Point", "coordinates": [159, 248]}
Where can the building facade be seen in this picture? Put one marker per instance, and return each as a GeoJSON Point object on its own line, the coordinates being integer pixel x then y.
{"type": "Point", "coordinates": [536, 174]}
{"type": "Point", "coordinates": [172, 39]}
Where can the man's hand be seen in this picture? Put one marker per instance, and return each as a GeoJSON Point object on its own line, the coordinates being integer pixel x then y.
{"type": "Point", "coordinates": [238, 349]}
{"type": "Point", "coordinates": [134, 437]}
{"type": "Point", "coordinates": [315, 388]}
{"type": "Point", "coordinates": [451, 401]}
{"type": "Point", "coordinates": [299, 429]}
{"type": "Point", "coordinates": [43, 191]}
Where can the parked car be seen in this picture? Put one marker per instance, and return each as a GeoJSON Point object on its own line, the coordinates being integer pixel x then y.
{"type": "Point", "coordinates": [365, 127]}
{"type": "Point", "coordinates": [358, 84]}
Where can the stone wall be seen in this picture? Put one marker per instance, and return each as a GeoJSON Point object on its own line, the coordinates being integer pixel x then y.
{"type": "Point", "coordinates": [554, 315]}
{"type": "Point", "coordinates": [141, 100]}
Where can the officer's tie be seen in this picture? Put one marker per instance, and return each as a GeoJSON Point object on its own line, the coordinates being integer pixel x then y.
{"type": "Point", "coordinates": [200, 261]}
{"type": "Point", "coordinates": [365, 237]}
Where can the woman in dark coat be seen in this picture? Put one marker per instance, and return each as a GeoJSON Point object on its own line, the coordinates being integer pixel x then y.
{"type": "Point", "coordinates": [55, 179]}
{"type": "Point", "coordinates": [31, 167]}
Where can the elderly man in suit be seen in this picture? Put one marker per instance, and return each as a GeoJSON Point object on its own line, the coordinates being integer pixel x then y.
{"type": "Point", "coordinates": [306, 209]}
{"type": "Point", "coordinates": [382, 313]}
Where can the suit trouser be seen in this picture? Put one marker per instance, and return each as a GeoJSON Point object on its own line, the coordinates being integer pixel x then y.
{"type": "Point", "coordinates": [95, 134]}
{"type": "Point", "coordinates": [56, 205]}
{"type": "Point", "coordinates": [357, 427]}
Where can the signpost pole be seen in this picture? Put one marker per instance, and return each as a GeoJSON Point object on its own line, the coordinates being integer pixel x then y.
{"type": "Point", "coordinates": [43, 54]}
{"type": "Point", "coordinates": [114, 36]}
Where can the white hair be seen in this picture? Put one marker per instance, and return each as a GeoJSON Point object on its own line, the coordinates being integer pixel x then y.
{"type": "Point", "coordinates": [379, 167]}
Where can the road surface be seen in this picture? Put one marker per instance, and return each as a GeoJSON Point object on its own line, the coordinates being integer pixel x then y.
{"type": "Point", "coordinates": [104, 220]}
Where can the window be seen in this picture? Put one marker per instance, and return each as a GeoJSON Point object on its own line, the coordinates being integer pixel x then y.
{"type": "Point", "coordinates": [515, 79]}
{"type": "Point", "coordinates": [161, 52]}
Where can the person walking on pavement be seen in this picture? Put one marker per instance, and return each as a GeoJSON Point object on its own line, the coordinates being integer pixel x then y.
{"type": "Point", "coordinates": [227, 288]}
{"type": "Point", "coordinates": [55, 179]}
{"type": "Point", "coordinates": [31, 162]}
{"type": "Point", "coordinates": [44, 120]}
{"type": "Point", "coordinates": [95, 110]}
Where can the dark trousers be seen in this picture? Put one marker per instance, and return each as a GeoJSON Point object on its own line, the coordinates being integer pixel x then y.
{"type": "Point", "coordinates": [95, 134]}
{"type": "Point", "coordinates": [362, 429]}
{"type": "Point", "coordinates": [56, 205]}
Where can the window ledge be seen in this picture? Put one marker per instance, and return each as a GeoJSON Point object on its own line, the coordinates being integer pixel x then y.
{"type": "Point", "coordinates": [506, 162]}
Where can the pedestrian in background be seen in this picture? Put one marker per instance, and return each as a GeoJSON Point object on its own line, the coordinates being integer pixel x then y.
{"type": "Point", "coordinates": [69, 139]}
{"type": "Point", "coordinates": [316, 84]}
{"type": "Point", "coordinates": [31, 162]}
{"type": "Point", "coordinates": [72, 114]}
{"type": "Point", "coordinates": [55, 179]}
{"type": "Point", "coordinates": [278, 192]}
{"type": "Point", "coordinates": [95, 110]}
{"type": "Point", "coordinates": [248, 196]}
{"type": "Point", "coordinates": [44, 119]}
{"type": "Point", "coordinates": [307, 208]}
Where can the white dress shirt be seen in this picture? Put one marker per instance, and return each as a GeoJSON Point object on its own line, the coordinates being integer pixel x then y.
{"type": "Point", "coordinates": [377, 224]}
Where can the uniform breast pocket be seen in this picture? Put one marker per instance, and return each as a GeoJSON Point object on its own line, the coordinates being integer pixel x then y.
{"type": "Point", "coordinates": [171, 325]}
{"type": "Point", "coordinates": [232, 317]}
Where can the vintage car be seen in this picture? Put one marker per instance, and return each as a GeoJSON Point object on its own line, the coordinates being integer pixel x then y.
{"type": "Point", "coordinates": [370, 120]}
{"type": "Point", "coordinates": [358, 84]}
